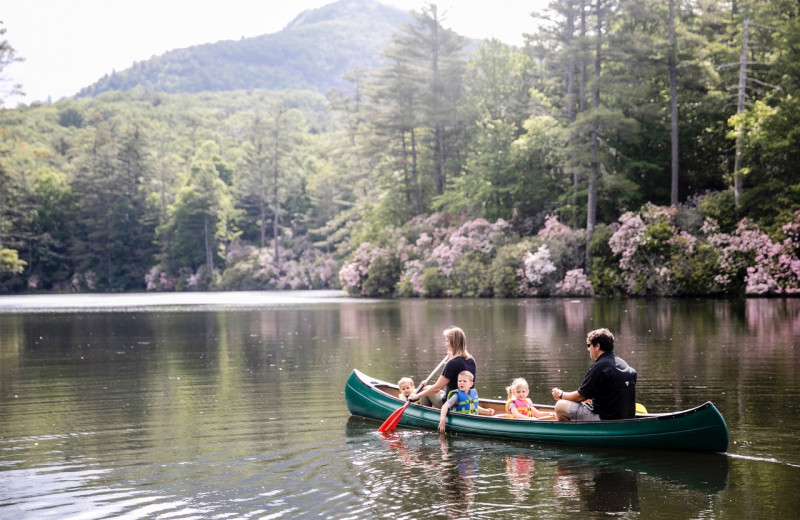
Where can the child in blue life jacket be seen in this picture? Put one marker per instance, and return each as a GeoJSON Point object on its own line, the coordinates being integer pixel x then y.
{"type": "Point", "coordinates": [463, 400]}
{"type": "Point", "coordinates": [519, 406]}
{"type": "Point", "coordinates": [406, 386]}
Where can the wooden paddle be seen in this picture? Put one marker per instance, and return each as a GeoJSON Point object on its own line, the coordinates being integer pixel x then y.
{"type": "Point", "coordinates": [391, 422]}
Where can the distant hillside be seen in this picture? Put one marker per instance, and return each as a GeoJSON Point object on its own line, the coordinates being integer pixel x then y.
{"type": "Point", "coordinates": [312, 52]}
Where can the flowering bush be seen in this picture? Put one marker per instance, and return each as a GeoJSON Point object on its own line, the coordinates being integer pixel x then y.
{"type": "Point", "coordinates": [252, 268]}
{"type": "Point", "coordinates": [575, 283]}
{"type": "Point", "coordinates": [647, 243]}
{"type": "Point", "coordinates": [354, 274]}
{"type": "Point", "coordinates": [459, 256]}
{"type": "Point", "coordinates": [535, 269]}
{"type": "Point", "coordinates": [749, 258]}
{"type": "Point", "coordinates": [157, 279]}
{"type": "Point", "coordinates": [644, 253]}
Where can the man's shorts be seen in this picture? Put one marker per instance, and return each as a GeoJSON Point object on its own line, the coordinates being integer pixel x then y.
{"type": "Point", "coordinates": [581, 412]}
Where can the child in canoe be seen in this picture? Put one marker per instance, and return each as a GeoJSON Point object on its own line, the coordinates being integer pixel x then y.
{"type": "Point", "coordinates": [519, 406]}
{"type": "Point", "coordinates": [463, 400]}
{"type": "Point", "coordinates": [406, 386]}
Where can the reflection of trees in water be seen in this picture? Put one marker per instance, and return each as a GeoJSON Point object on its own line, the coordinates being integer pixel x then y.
{"type": "Point", "coordinates": [600, 488]}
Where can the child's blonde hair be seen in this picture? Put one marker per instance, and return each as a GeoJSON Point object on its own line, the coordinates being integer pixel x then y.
{"type": "Point", "coordinates": [405, 380]}
{"type": "Point", "coordinates": [512, 388]}
{"type": "Point", "coordinates": [466, 373]}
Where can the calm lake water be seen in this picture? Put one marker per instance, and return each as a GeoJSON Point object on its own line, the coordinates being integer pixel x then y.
{"type": "Point", "coordinates": [231, 406]}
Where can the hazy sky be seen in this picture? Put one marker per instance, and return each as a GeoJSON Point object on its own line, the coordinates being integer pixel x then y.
{"type": "Point", "coordinates": [70, 44]}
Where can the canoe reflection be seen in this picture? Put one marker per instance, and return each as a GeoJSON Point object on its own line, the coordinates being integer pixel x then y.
{"type": "Point", "coordinates": [459, 475]}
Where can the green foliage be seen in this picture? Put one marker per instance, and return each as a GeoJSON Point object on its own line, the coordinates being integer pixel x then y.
{"type": "Point", "coordinates": [384, 273]}
{"type": "Point", "coordinates": [434, 283]}
{"type": "Point", "coordinates": [470, 278]}
{"type": "Point", "coordinates": [506, 265]}
{"type": "Point", "coordinates": [137, 189]}
{"type": "Point", "coordinates": [10, 262]}
{"type": "Point", "coordinates": [605, 275]}
{"type": "Point", "coordinates": [694, 276]}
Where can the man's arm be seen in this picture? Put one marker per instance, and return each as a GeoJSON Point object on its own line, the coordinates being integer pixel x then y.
{"type": "Point", "coordinates": [574, 396]}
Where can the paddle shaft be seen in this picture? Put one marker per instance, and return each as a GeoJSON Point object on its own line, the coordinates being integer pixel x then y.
{"type": "Point", "coordinates": [432, 373]}
{"type": "Point", "coordinates": [392, 420]}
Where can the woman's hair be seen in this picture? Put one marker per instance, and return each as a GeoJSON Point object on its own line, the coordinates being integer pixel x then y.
{"type": "Point", "coordinates": [456, 342]}
{"type": "Point", "coordinates": [512, 388]}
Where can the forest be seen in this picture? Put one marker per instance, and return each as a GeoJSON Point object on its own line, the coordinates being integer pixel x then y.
{"type": "Point", "coordinates": [640, 148]}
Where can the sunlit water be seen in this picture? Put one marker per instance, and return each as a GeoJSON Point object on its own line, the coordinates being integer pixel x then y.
{"type": "Point", "coordinates": [231, 406]}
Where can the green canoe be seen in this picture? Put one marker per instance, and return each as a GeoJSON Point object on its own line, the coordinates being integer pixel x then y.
{"type": "Point", "coordinates": [697, 429]}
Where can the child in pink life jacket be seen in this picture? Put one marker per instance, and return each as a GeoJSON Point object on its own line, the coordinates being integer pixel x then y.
{"type": "Point", "coordinates": [519, 406]}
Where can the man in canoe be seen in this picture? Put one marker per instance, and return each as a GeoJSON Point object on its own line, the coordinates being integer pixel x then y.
{"type": "Point", "coordinates": [608, 390]}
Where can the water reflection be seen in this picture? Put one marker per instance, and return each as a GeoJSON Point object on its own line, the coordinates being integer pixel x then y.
{"type": "Point", "coordinates": [601, 488]}
{"type": "Point", "coordinates": [470, 476]}
{"type": "Point", "coordinates": [519, 470]}
{"type": "Point", "coordinates": [239, 412]}
{"type": "Point", "coordinates": [453, 472]}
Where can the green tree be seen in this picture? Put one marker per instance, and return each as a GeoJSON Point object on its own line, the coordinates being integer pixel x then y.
{"type": "Point", "coordinates": [199, 224]}
{"type": "Point", "coordinates": [52, 235]}
{"type": "Point", "coordinates": [418, 104]}
{"type": "Point", "coordinates": [271, 177]}
{"type": "Point", "coordinates": [114, 240]}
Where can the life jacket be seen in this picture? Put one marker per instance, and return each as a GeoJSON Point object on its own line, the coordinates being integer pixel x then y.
{"type": "Point", "coordinates": [467, 402]}
{"type": "Point", "coordinates": [522, 407]}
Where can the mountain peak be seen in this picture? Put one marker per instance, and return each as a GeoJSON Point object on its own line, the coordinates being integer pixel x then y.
{"type": "Point", "coordinates": [312, 52]}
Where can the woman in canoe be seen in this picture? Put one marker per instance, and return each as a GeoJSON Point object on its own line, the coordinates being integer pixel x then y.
{"type": "Point", "coordinates": [460, 360]}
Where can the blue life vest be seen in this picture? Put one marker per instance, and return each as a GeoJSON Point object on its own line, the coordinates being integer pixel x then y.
{"type": "Point", "coordinates": [467, 402]}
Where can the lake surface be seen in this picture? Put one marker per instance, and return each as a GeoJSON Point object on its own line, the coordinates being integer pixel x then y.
{"type": "Point", "coordinates": [231, 405]}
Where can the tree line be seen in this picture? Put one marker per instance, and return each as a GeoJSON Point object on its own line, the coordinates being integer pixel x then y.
{"type": "Point", "coordinates": [669, 124]}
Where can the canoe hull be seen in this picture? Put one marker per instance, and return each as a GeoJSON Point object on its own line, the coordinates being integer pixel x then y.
{"type": "Point", "coordinates": [697, 429]}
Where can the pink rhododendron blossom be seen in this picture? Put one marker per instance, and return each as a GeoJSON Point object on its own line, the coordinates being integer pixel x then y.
{"type": "Point", "coordinates": [769, 267]}
{"type": "Point", "coordinates": [537, 266]}
{"type": "Point", "coordinates": [575, 283]}
{"type": "Point", "coordinates": [554, 229]}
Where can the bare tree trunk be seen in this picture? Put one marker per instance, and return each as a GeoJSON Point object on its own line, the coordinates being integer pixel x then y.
{"type": "Point", "coordinates": [591, 209]}
{"type": "Point", "coordinates": [569, 102]}
{"type": "Point", "coordinates": [740, 106]}
{"type": "Point", "coordinates": [583, 57]}
{"type": "Point", "coordinates": [673, 103]}
{"type": "Point", "coordinates": [209, 255]}
{"type": "Point", "coordinates": [276, 209]}
{"type": "Point", "coordinates": [415, 173]}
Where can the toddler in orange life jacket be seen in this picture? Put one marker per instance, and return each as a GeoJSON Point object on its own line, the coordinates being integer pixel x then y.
{"type": "Point", "coordinates": [463, 400]}
{"type": "Point", "coordinates": [519, 406]}
{"type": "Point", "coordinates": [406, 385]}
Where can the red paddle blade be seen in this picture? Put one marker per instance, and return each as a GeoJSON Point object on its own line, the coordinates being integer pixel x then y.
{"type": "Point", "coordinates": [391, 422]}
